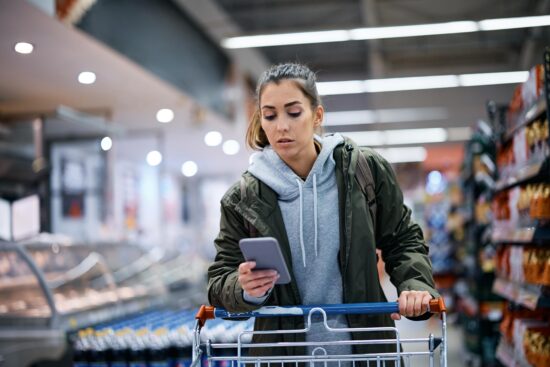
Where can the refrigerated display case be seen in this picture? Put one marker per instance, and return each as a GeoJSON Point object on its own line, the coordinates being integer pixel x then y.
{"type": "Point", "coordinates": [48, 289]}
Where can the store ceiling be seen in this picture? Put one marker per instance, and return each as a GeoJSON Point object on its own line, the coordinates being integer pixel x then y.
{"type": "Point", "coordinates": [469, 52]}
{"type": "Point", "coordinates": [477, 52]}
{"type": "Point", "coordinates": [129, 96]}
{"type": "Point", "coordinates": [125, 94]}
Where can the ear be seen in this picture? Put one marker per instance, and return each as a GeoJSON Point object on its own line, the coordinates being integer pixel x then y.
{"type": "Point", "coordinates": [318, 116]}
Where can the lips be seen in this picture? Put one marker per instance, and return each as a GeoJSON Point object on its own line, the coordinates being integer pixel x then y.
{"type": "Point", "coordinates": [284, 140]}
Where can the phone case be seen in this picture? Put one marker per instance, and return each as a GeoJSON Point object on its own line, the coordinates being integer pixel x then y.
{"type": "Point", "coordinates": [265, 251]}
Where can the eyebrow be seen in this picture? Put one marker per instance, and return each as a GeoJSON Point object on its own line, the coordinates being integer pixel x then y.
{"type": "Point", "coordinates": [286, 105]}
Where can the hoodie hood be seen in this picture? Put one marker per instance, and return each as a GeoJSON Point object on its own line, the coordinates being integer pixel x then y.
{"type": "Point", "coordinates": [268, 167]}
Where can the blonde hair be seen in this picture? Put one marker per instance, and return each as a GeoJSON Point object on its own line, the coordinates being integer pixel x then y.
{"type": "Point", "coordinates": [305, 80]}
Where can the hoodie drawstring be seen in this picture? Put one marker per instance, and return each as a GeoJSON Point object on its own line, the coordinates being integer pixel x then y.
{"type": "Point", "coordinates": [315, 210]}
{"type": "Point", "coordinates": [301, 224]}
{"type": "Point", "coordinates": [302, 246]}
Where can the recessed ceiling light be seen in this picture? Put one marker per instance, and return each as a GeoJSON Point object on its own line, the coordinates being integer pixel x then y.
{"type": "Point", "coordinates": [154, 158]}
{"type": "Point", "coordinates": [165, 115]}
{"type": "Point", "coordinates": [106, 143]}
{"type": "Point", "coordinates": [231, 147]}
{"type": "Point", "coordinates": [86, 77]}
{"type": "Point", "coordinates": [213, 138]}
{"type": "Point", "coordinates": [23, 47]}
{"type": "Point", "coordinates": [189, 169]}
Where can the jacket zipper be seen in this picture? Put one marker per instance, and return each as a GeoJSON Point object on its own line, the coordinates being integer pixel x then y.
{"type": "Point", "coordinates": [346, 162]}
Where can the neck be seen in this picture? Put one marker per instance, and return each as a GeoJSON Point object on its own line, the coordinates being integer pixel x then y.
{"type": "Point", "coordinates": [303, 164]}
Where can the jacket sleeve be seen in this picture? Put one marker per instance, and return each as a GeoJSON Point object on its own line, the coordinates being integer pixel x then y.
{"type": "Point", "coordinates": [224, 289]}
{"type": "Point", "coordinates": [398, 237]}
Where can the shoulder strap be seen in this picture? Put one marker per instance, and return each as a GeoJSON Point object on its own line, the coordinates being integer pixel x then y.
{"type": "Point", "coordinates": [252, 231]}
{"type": "Point", "coordinates": [366, 182]}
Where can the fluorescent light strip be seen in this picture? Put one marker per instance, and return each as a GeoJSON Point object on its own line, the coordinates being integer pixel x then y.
{"type": "Point", "coordinates": [466, 26]}
{"type": "Point", "coordinates": [512, 77]}
{"type": "Point", "coordinates": [411, 83]}
{"type": "Point", "coordinates": [420, 82]}
{"type": "Point", "coordinates": [385, 116]}
{"type": "Point", "coordinates": [398, 137]}
{"type": "Point", "coordinates": [413, 30]}
{"type": "Point", "coordinates": [284, 39]}
{"type": "Point", "coordinates": [403, 155]}
{"type": "Point", "coordinates": [513, 23]}
{"type": "Point", "coordinates": [380, 138]}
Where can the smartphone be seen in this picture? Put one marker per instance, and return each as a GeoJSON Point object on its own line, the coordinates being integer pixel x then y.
{"type": "Point", "coordinates": [265, 251]}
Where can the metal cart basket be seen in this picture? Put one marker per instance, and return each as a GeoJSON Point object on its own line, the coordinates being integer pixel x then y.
{"type": "Point", "coordinates": [433, 349]}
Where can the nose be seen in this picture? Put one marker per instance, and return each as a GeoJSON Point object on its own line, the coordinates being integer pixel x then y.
{"type": "Point", "coordinates": [282, 124]}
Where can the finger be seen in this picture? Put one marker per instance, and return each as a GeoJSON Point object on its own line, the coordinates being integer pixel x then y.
{"type": "Point", "coordinates": [403, 302]}
{"type": "Point", "coordinates": [263, 273]}
{"type": "Point", "coordinates": [395, 316]}
{"type": "Point", "coordinates": [411, 298]}
{"type": "Point", "coordinates": [425, 302]}
{"type": "Point", "coordinates": [245, 278]}
{"type": "Point", "coordinates": [259, 292]}
{"type": "Point", "coordinates": [418, 297]}
{"type": "Point", "coordinates": [246, 267]}
{"type": "Point", "coordinates": [260, 282]}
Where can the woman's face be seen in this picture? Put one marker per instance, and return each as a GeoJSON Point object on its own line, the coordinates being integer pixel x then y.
{"type": "Point", "coordinates": [288, 120]}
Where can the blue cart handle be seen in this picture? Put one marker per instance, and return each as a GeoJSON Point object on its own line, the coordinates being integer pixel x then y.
{"type": "Point", "coordinates": [208, 312]}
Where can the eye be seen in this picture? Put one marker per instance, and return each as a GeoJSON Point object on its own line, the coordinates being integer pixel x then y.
{"type": "Point", "coordinates": [269, 117]}
{"type": "Point", "coordinates": [295, 114]}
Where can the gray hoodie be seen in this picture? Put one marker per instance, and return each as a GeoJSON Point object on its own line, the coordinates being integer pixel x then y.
{"type": "Point", "coordinates": [311, 216]}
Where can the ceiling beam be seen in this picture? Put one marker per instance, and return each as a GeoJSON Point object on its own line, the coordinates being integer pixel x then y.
{"type": "Point", "coordinates": [218, 24]}
{"type": "Point", "coordinates": [375, 58]}
{"type": "Point", "coordinates": [527, 56]}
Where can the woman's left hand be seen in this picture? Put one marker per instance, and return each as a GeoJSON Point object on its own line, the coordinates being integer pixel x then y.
{"type": "Point", "coordinates": [412, 304]}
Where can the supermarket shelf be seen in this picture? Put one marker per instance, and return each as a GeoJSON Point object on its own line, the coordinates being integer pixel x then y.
{"type": "Point", "coordinates": [528, 295]}
{"type": "Point", "coordinates": [503, 232]}
{"type": "Point", "coordinates": [527, 117]}
{"type": "Point", "coordinates": [523, 174]}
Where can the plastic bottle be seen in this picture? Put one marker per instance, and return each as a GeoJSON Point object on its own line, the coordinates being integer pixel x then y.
{"type": "Point", "coordinates": [98, 347]}
{"type": "Point", "coordinates": [81, 350]}
{"type": "Point", "coordinates": [137, 350]}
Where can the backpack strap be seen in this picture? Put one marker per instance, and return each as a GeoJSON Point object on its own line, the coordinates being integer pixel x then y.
{"type": "Point", "coordinates": [366, 183]}
{"type": "Point", "coordinates": [252, 231]}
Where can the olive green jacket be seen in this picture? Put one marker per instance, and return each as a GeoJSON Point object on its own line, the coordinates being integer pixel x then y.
{"type": "Point", "coordinates": [396, 235]}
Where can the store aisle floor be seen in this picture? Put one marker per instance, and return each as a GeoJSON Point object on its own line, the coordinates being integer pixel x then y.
{"type": "Point", "coordinates": [421, 329]}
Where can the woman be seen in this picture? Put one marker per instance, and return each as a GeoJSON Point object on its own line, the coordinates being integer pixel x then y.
{"type": "Point", "coordinates": [302, 190]}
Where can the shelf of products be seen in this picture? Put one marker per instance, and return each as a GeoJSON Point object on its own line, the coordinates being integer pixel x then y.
{"type": "Point", "coordinates": [528, 295]}
{"type": "Point", "coordinates": [525, 338]}
{"type": "Point", "coordinates": [524, 173]}
{"type": "Point", "coordinates": [480, 310]}
{"type": "Point", "coordinates": [521, 223]}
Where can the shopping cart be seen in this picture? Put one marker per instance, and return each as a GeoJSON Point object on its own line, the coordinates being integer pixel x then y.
{"type": "Point", "coordinates": [235, 354]}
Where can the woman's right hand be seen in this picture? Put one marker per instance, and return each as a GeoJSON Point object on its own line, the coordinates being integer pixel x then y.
{"type": "Point", "coordinates": [256, 283]}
